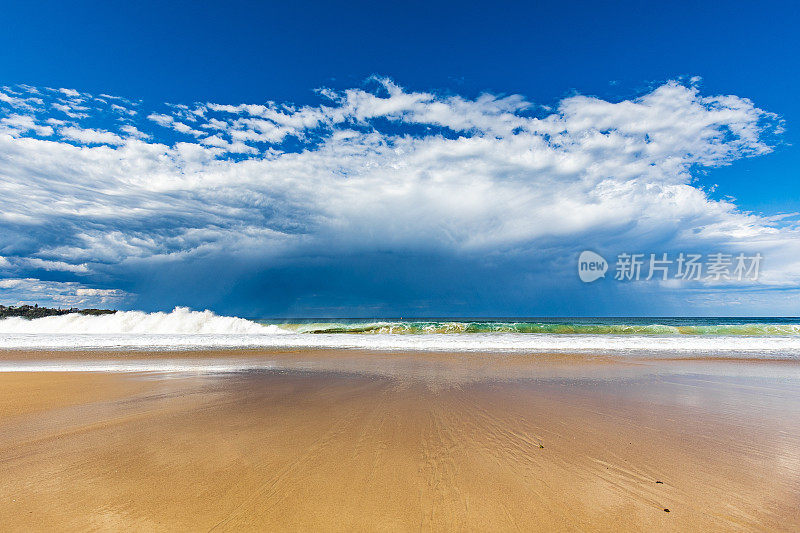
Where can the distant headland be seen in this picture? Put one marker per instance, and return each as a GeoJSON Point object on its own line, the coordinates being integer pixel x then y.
{"type": "Point", "coordinates": [34, 311]}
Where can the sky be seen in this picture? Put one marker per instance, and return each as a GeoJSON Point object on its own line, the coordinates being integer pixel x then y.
{"type": "Point", "coordinates": [406, 159]}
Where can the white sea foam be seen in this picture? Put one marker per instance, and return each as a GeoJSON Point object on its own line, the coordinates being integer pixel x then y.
{"type": "Point", "coordinates": [181, 320]}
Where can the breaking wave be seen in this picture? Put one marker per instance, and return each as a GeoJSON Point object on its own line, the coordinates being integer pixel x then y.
{"type": "Point", "coordinates": [180, 320]}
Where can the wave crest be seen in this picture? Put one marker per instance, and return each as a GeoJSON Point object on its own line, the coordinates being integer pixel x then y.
{"type": "Point", "coordinates": [180, 320]}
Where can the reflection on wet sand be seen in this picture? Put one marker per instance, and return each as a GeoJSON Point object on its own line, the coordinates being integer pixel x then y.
{"type": "Point", "coordinates": [358, 440]}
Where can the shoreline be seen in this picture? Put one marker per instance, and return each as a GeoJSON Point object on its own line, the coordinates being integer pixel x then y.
{"type": "Point", "coordinates": [225, 351]}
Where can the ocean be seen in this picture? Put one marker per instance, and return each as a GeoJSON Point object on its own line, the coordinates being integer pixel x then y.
{"type": "Point", "coordinates": [184, 329]}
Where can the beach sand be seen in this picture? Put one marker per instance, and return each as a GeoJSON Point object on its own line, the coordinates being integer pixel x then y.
{"type": "Point", "coordinates": [360, 441]}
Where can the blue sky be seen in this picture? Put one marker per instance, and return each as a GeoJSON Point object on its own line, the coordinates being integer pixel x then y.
{"type": "Point", "coordinates": [328, 212]}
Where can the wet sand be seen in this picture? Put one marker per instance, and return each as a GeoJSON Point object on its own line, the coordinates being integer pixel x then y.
{"type": "Point", "coordinates": [345, 440]}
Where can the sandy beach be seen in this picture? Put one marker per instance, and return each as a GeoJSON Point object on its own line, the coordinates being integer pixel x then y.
{"type": "Point", "coordinates": [348, 440]}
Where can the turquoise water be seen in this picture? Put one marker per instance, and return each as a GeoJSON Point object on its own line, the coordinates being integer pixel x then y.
{"type": "Point", "coordinates": [750, 326]}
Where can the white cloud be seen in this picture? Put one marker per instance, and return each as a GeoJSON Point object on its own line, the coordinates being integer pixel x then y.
{"type": "Point", "coordinates": [394, 169]}
{"type": "Point", "coordinates": [90, 136]}
{"type": "Point", "coordinates": [236, 147]}
{"type": "Point", "coordinates": [31, 291]}
{"type": "Point", "coordinates": [133, 131]}
{"type": "Point", "coordinates": [23, 123]}
{"type": "Point", "coordinates": [70, 110]}
{"type": "Point", "coordinates": [168, 121]}
{"type": "Point", "coordinates": [14, 101]}
{"type": "Point", "coordinates": [123, 110]}
{"type": "Point", "coordinates": [161, 119]}
{"type": "Point", "coordinates": [35, 262]}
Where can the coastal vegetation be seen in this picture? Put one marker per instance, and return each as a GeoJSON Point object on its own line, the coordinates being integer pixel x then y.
{"type": "Point", "coordinates": [34, 311]}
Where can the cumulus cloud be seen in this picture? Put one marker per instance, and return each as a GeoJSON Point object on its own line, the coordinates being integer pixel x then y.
{"type": "Point", "coordinates": [387, 169]}
{"type": "Point", "coordinates": [16, 291]}
{"type": "Point", "coordinates": [122, 109]}
{"type": "Point", "coordinates": [169, 121]}
{"type": "Point", "coordinates": [90, 136]}
{"type": "Point", "coordinates": [15, 99]}
{"type": "Point", "coordinates": [35, 262]}
{"type": "Point", "coordinates": [70, 92]}
{"type": "Point", "coordinates": [25, 123]}
{"type": "Point", "coordinates": [133, 131]}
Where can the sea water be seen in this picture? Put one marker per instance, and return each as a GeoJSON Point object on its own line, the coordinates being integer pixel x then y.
{"type": "Point", "coordinates": [184, 329]}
